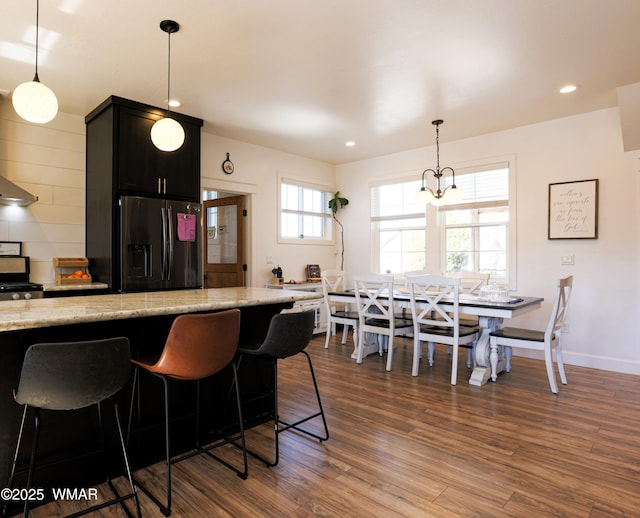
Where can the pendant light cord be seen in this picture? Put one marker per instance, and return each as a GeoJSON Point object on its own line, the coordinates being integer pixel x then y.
{"type": "Point", "coordinates": [438, 150]}
{"type": "Point", "coordinates": [169, 77]}
{"type": "Point", "coordinates": [36, 78]}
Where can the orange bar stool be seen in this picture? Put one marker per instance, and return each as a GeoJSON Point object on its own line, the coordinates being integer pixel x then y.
{"type": "Point", "coordinates": [70, 376]}
{"type": "Point", "coordinates": [288, 335]}
{"type": "Point", "coordinates": [197, 347]}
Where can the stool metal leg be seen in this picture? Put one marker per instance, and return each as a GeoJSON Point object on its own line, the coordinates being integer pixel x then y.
{"type": "Point", "coordinates": [244, 472]}
{"type": "Point", "coordinates": [125, 458]}
{"type": "Point", "coordinates": [15, 456]}
{"type": "Point", "coordinates": [278, 429]}
{"type": "Point", "coordinates": [320, 412]}
{"type": "Point", "coordinates": [32, 461]}
{"type": "Point", "coordinates": [164, 509]}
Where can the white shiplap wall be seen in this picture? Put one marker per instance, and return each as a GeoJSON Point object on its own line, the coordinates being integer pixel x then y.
{"type": "Point", "coordinates": [48, 161]}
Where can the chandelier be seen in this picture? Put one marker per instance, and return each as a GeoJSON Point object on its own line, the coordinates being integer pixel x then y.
{"type": "Point", "coordinates": [448, 195]}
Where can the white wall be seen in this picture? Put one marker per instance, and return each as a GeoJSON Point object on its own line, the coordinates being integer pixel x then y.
{"type": "Point", "coordinates": [256, 174]}
{"type": "Point", "coordinates": [606, 300]}
{"type": "Point", "coordinates": [49, 161]}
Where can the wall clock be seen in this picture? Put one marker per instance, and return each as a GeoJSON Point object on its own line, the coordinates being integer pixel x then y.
{"type": "Point", "coordinates": [227, 165]}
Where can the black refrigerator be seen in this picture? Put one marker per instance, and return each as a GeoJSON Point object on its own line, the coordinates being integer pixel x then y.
{"type": "Point", "coordinates": [160, 244]}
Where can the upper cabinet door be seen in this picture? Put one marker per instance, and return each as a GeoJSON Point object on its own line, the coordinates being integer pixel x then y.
{"type": "Point", "coordinates": [144, 169]}
{"type": "Point", "coordinates": [181, 168]}
{"type": "Point", "coordinates": [138, 159]}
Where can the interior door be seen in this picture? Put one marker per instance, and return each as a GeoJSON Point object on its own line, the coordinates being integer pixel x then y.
{"type": "Point", "coordinates": [223, 229]}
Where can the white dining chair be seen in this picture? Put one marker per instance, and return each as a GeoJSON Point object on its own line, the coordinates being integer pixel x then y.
{"type": "Point", "coordinates": [375, 303]}
{"type": "Point", "coordinates": [470, 284]}
{"type": "Point", "coordinates": [548, 340]}
{"type": "Point", "coordinates": [333, 281]}
{"type": "Point", "coordinates": [435, 311]}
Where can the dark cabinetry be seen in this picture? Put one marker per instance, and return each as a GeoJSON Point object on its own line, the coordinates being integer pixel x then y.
{"type": "Point", "coordinates": [122, 161]}
{"type": "Point", "coordinates": [143, 169]}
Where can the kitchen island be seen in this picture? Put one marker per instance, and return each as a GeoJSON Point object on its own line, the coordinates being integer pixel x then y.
{"type": "Point", "coordinates": [144, 318]}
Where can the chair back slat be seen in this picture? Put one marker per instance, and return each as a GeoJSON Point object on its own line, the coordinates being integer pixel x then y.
{"type": "Point", "coordinates": [560, 306]}
{"type": "Point", "coordinates": [471, 282]}
{"type": "Point", "coordinates": [332, 281]}
{"type": "Point", "coordinates": [433, 291]}
{"type": "Point", "coordinates": [374, 296]}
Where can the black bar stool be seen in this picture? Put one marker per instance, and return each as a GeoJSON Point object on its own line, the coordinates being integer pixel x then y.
{"type": "Point", "coordinates": [288, 335]}
{"type": "Point", "coordinates": [70, 376]}
{"type": "Point", "coordinates": [197, 347]}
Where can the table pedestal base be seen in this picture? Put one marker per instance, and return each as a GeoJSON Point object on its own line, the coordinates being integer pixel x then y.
{"type": "Point", "coordinates": [482, 371]}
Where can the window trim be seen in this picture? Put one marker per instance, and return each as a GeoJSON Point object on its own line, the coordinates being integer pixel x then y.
{"type": "Point", "coordinates": [305, 183]}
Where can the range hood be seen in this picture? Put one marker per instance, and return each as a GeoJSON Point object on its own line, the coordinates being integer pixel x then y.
{"type": "Point", "coordinates": [11, 194]}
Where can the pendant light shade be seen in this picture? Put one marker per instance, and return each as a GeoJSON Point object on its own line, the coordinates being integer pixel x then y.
{"type": "Point", "coordinates": [167, 134]}
{"type": "Point", "coordinates": [35, 102]}
{"type": "Point", "coordinates": [32, 100]}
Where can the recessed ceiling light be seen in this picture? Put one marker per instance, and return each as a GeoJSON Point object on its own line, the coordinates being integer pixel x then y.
{"type": "Point", "coordinates": [174, 103]}
{"type": "Point", "coordinates": [568, 89]}
{"type": "Point", "coordinates": [349, 143]}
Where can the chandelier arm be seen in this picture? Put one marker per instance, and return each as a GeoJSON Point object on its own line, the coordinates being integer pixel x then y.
{"type": "Point", "coordinates": [453, 174]}
{"type": "Point", "coordinates": [423, 173]}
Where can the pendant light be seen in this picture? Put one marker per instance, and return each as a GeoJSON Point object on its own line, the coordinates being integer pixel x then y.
{"type": "Point", "coordinates": [450, 194]}
{"type": "Point", "coordinates": [32, 100]}
{"type": "Point", "coordinates": [167, 134]}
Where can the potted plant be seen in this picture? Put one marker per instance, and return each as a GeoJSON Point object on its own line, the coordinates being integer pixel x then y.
{"type": "Point", "coordinates": [335, 204]}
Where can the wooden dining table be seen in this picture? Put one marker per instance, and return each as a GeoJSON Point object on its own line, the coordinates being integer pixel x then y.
{"type": "Point", "coordinates": [490, 315]}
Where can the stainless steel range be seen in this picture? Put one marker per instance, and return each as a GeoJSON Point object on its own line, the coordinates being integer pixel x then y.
{"type": "Point", "coordinates": [14, 279]}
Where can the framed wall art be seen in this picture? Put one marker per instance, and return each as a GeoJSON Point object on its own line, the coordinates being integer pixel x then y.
{"type": "Point", "coordinates": [573, 210]}
{"type": "Point", "coordinates": [313, 273]}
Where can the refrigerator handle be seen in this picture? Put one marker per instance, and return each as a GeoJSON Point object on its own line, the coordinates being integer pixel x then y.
{"type": "Point", "coordinates": [170, 240]}
{"type": "Point", "coordinates": [163, 264]}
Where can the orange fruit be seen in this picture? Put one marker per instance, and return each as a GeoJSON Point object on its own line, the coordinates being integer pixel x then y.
{"type": "Point", "coordinates": [79, 273]}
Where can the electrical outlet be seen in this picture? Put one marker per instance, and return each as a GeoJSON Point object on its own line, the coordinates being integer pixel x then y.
{"type": "Point", "coordinates": [568, 260]}
{"type": "Point", "coordinates": [269, 259]}
{"type": "Point", "coordinates": [565, 328]}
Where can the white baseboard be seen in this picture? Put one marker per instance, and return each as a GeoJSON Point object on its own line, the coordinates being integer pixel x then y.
{"type": "Point", "coordinates": [591, 361]}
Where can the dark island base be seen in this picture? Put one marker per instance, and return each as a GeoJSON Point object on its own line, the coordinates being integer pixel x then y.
{"type": "Point", "coordinates": [69, 453]}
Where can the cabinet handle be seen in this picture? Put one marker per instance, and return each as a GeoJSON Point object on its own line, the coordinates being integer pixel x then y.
{"type": "Point", "coordinates": [164, 183]}
{"type": "Point", "coordinates": [159, 191]}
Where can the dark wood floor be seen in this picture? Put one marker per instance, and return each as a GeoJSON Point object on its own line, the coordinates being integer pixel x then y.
{"type": "Point", "coordinates": [405, 446]}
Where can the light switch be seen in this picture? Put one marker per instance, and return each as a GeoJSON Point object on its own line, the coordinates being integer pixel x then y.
{"type": "Point", "coordinates": [568, 260]}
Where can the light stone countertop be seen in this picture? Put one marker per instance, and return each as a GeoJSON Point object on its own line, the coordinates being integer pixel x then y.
{"type": "Point", "coordinates": [52, 286]}
{"type": "Point", "coordinates": [45, 312]}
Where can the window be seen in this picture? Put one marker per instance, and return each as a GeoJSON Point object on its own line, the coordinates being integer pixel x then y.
{"type": "Point", "coordinates": [475, 234]}
{"type": "Point", "coordinates": [398, 226]}
{"type": "Point", "coordinates": [304, 212]}
{"type": "Point", "coordinates": [476, 230]}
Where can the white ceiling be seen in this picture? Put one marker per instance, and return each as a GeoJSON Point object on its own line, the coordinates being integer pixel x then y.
{"type": "Point", "coordinates": [304, 77]}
